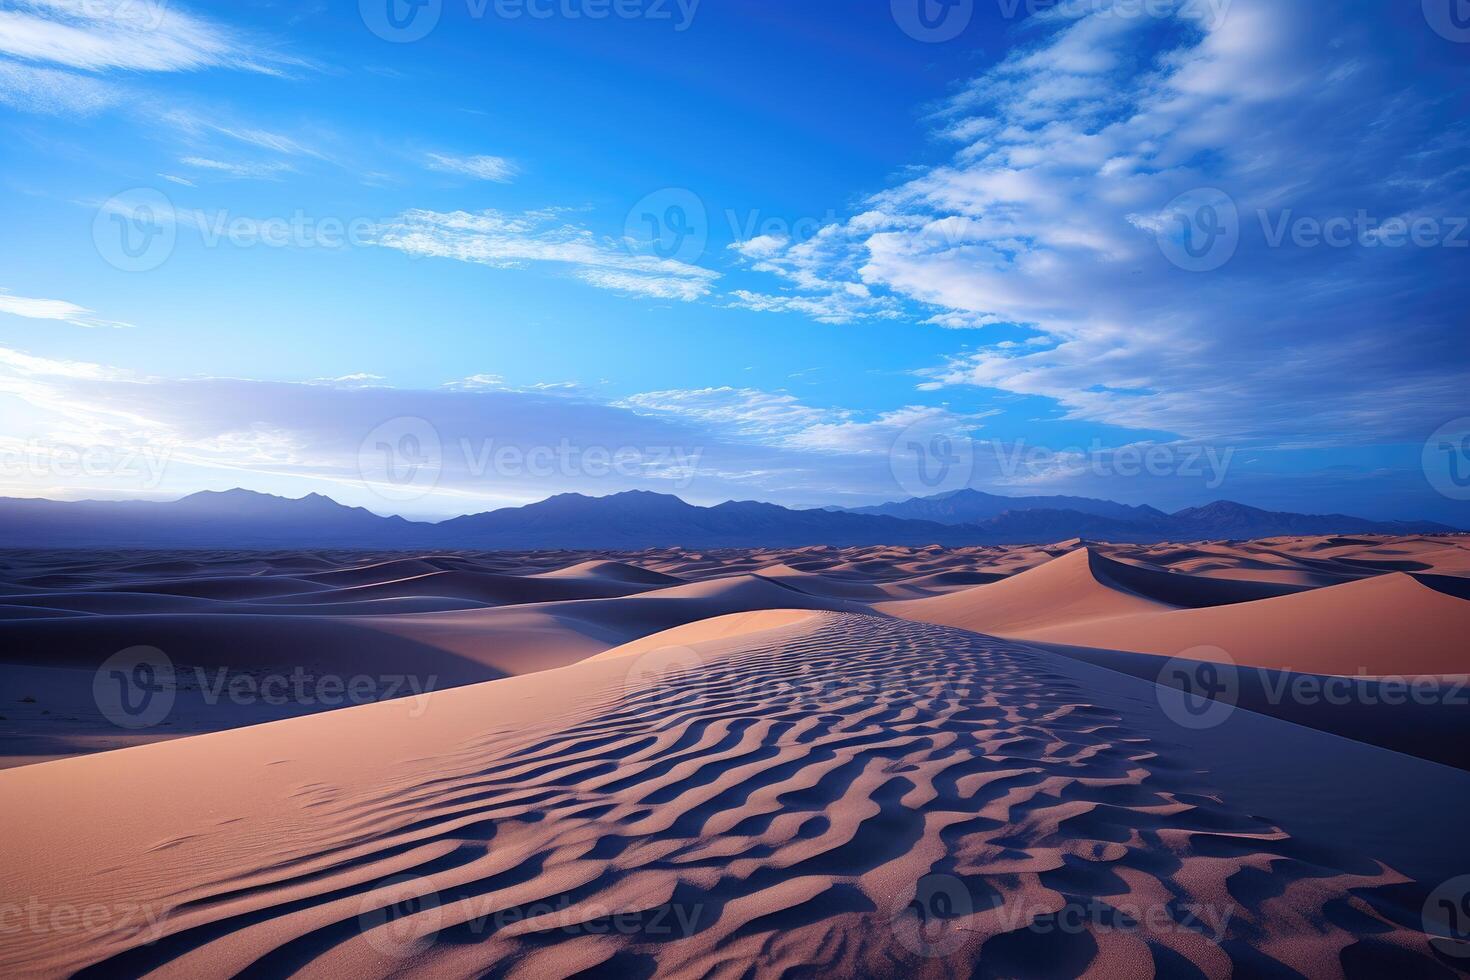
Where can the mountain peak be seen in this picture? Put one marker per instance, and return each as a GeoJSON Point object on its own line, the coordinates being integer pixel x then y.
{"type": "Point", "coordinates": [234, 493]}
{"type": "Point", "coordinates": [1227, 506]}
{"type": "Point", "coordinates": [240, 500]}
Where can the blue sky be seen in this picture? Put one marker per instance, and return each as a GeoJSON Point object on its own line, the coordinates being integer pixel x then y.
{"type": "Point", "coordinates": [255, 243]}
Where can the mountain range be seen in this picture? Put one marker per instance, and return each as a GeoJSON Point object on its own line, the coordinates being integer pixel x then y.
{"type": "Point", "coordinates": [972, 506]}
{"type": "Point", "coordinates": [640, 519]}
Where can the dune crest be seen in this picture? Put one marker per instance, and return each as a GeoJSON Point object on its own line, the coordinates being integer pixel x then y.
{"type": "Point", "coordinates": [1389, 625]}
{"type": "Point", "coordinates": [740, 625]}
{"type": "Point", "coordinates": [1073, 588]}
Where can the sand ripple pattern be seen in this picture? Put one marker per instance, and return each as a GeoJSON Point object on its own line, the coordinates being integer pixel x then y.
{"type": "Point", "coordinates": [858, 796]}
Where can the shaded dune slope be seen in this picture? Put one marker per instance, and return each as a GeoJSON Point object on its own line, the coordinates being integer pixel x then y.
{"type": "Point", "coordinates": [458, 647]}
{"type": "Point", "coordinates": [1429, 719]}
{"type": "Point", "coordinates": [1387, 625]}
{"type": "Point", "coordinates": [1073, 589]}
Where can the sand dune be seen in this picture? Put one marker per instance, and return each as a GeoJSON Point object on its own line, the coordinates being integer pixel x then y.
{"type": "Point", "coordinates": [845, 795]}
{"type": "Point", "coordinates": [114, 603]}
{"type": "Point", "coordinates": [376, 572]}
{"type": "Point", "coordinates": [1388, 625]}
{"type": "Point", "coordinates": [742, 625]}
{"type": "Point", "coordinates": [487, 588]}
{"type": "Point", "coordinates": [398, 644]}
{"type": "Point", "coordinates": [1071, 589]}
{"type": "Point", "coordinates": [234, 587]}
{"type": "Point", "coordinates": [613, 571]}
{"type": "Point", "coordinates": [815, 583]}
{"type": "Point", "coordinates": [1183, 590]}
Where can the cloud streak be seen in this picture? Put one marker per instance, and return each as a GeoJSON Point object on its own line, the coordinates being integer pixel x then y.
{"type": "Point", "coordinates": [52, 309]}
{"type": "Point", "coordinates": [50, 92]}
{"type": "Point", "coordinates": [497, 169]}
{"type": "Point", "coordinates": [130, 35]}
{"type": "Point", "coordinates": [240, 169]}
{"type": "Point", "coordinates": [506, 240]}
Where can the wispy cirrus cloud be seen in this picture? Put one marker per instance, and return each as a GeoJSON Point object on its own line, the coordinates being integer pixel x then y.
{"type": "Point", "coordinates": [494, 382]}
{"type": "Point", "coordinates": [358, 379]}
{"type": "Point", "coordinates": [199, 126]}
{"type": "Point", "coordinates": [843, 304]}
{"type": "Point", "coordinates": [51, 92]}
{"type": "Point", "coordinates": [52, 309]}
{"type": "Point", "coordinates": [778, 418]}
{"type": "Point", "coordinates": [477, 382]}
{"type": "Point", "coordinates": [507, 240]}
{"type": "Point", "coordinates": [131, 35]}
{"type": "Point", "coordinates": [497, 169]}
{"type": "Point", "coordinates": [240, 169]}
{"type": "Point", "coordinates": [64, 56]}
{"type": "Point", "coordinates": [747, 411]}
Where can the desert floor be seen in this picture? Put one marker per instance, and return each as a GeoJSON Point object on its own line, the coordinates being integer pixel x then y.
{"type": "Point", "coordinates": [1080, 759]}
